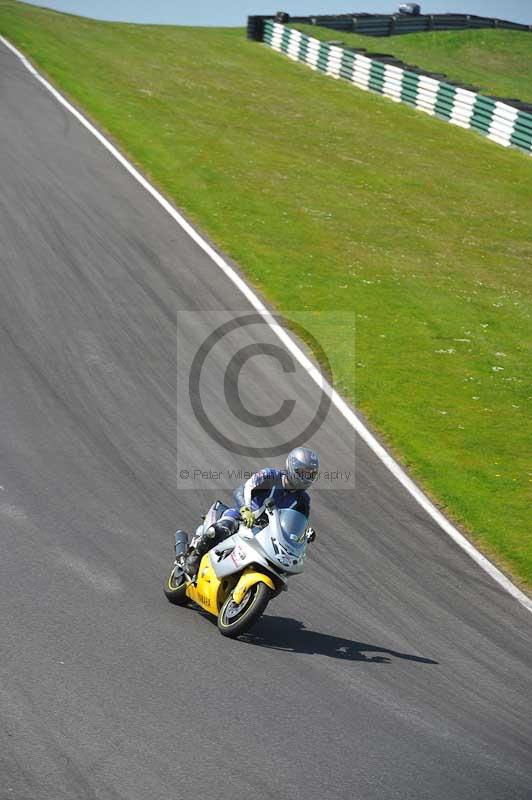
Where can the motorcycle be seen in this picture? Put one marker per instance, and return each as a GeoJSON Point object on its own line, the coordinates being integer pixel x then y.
{"type": "Point", "coordinates": [238, 577]}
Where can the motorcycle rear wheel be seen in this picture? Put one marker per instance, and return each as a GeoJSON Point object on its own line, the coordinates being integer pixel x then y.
{"type": "Point", "coordinates": [175, 588]}
{"type": "Point", "coordinates": [235, 619]}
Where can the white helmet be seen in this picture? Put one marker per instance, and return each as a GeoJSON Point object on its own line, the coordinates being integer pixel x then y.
{"type": "Point", "coordinates": [302, 466]}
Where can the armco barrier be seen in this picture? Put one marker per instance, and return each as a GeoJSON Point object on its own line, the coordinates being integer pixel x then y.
{"type": "Point", "coordinates": [504, 122]}
{"type": "Point", "coordinates": [395, 24]}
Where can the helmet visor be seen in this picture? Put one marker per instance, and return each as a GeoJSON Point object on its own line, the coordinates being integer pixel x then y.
{"type": "Point", "coordinates": [306, 474]}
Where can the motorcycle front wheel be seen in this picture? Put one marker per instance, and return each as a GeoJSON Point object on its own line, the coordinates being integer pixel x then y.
{"type": "Point", "coordinates": [175, 587]}
{"type": "Point", "coordinates": [235, 619]}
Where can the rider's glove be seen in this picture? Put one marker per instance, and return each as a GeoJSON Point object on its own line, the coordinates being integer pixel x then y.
{"type": "Point", "coordinates": [311, 534]}
{"type": "Point", "coordinates": [247, 516]}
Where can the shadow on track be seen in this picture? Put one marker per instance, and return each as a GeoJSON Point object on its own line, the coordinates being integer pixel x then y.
{"type": "Point", "coordinates": [290, 635]}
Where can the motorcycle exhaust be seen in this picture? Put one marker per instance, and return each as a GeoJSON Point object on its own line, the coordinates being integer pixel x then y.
{"type": "Point", "coordinates": [181, 543]}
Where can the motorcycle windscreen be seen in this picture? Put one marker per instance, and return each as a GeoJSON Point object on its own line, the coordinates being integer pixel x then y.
{"type": "Point", "coordinates": [293, 527]}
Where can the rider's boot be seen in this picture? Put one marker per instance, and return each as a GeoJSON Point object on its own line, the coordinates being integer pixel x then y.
{"type": "Point", "coordinates": [198, 547]}
{"type": "Point", "coordinates": [202, 544]}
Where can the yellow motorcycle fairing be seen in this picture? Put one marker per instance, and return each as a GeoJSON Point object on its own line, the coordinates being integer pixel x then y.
{"type": "Point", "coordinates": [249, 578]}
{"type": "Point", "coordinates": [209, 592]}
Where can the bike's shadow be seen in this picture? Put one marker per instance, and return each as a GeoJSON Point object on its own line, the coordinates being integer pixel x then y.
{"type": "Point", "coordinates": [290, 635]}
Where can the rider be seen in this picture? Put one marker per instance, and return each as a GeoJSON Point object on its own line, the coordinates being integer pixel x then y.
{"type": "Point", "coordinates": [285, 487]}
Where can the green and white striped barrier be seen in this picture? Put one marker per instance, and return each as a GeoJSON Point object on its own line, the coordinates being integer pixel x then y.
{"type": "Point", "coordinates": [495, 119]}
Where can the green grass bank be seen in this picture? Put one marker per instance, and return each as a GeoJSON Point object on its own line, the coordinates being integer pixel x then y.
{"type": "Point", "coordinates": [332, 199]}
{"type": "Point", "coordinates": [497, 62]}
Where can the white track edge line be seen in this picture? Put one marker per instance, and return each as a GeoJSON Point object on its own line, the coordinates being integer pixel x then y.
{"type": "Point", "coordinates": [291, 345]}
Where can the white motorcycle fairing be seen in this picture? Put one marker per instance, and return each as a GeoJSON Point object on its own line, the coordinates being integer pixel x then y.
{"type": "Point", "coordinates": [280, 547]}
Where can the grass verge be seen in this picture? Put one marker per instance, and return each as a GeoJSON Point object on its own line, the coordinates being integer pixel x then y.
{"type": "Point", "coordinates": [332, 198]}
{"type": "Point", "coordinates": [497, 62]}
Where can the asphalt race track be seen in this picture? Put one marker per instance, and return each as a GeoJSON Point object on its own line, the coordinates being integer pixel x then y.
{"type": "Point", "coordinates": [394, 668]}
